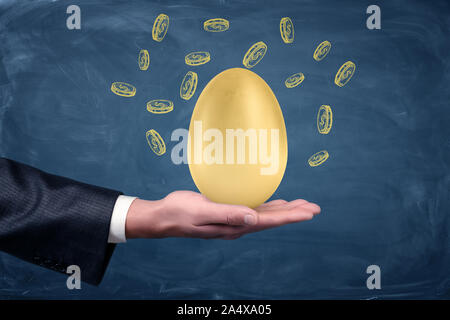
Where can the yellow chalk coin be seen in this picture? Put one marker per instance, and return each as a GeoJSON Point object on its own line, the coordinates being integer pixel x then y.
{"type": "Point", "coordinates": [324, 119]}
{"type": "Point", "coordinates": [344, 73]}
{"type": "Point", "coordinates": [160, 27]}
{"type": "Point", "coordinates": [197, 58]}
{"type": "Point", "coordinates": [287, 30]}
{"type": "Point", "coordinates": [123, 89]}
{"type": "Point", "coordinates": [155, 142]}
{"type": "Point", "coordinates": [188, 85]}
{"type": "Point", "coordinates": [322, 50]}
{"type": "Point", "coordinates": [318, 158]}
{"type": "Point", "coordinates": [237, 146]}
{"type": "Point", "coordinates": [143, 59]}
{"type": "Point", "coordinates": [216, 25]}
{"type": "Point", "coordinates": [159, 106]}
{"type": "Point", "coordinates": [294, 80]}
{"type": "Point", "coordinates": [254, 55]}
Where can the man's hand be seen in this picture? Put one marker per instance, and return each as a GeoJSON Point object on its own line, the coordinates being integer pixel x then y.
{"type": "Point", "coordinates": [190, 214]}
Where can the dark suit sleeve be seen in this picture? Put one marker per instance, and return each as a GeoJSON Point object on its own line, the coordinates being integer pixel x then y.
{"type": "Point", "coordinates": [54, 221]}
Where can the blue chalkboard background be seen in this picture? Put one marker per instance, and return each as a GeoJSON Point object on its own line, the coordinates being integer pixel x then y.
{"type": "Point", "coordinates": [384, 191]}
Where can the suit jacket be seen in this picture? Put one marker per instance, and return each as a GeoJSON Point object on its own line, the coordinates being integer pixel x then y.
{"type": "Point", "coordinates": [54, 221]}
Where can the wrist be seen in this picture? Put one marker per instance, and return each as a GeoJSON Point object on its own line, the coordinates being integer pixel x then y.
{"type": "Point", "coordinates": [144, 219]}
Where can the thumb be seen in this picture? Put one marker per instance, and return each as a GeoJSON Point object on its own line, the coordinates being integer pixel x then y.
{"type": "Point", "coordinates": [234, 215]}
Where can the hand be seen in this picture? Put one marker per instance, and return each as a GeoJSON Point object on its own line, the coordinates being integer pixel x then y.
{"type": "Point", "coordinates": [192, 215]}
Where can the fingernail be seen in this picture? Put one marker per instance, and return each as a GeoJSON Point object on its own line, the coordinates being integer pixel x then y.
{"type": "Point", "coordinates": [250, 220]}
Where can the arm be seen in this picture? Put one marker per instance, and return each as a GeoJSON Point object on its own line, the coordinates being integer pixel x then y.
{"type": "Point", "coordinates": [54, 221]}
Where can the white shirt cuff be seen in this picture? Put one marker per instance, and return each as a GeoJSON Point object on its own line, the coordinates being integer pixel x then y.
{"type": "Point", "coordinates": [118, 219]}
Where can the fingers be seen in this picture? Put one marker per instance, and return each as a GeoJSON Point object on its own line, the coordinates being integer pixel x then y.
{"type": "Point", "coordinates": [314, 208]}
{"type": "Point", "coordinates": [233, 215]}
{"type": "Point", "coordinates": [279, 205]}
{"type": "Point", "coordinates": [272, 203]}
{"type": "Point", "coordinates": [232, 221]}
{"type": "Point", "coordinates": [292, 212]}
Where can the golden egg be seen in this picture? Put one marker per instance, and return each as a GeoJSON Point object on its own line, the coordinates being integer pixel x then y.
{"type": "Point", "coordinates": [237, 146]}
